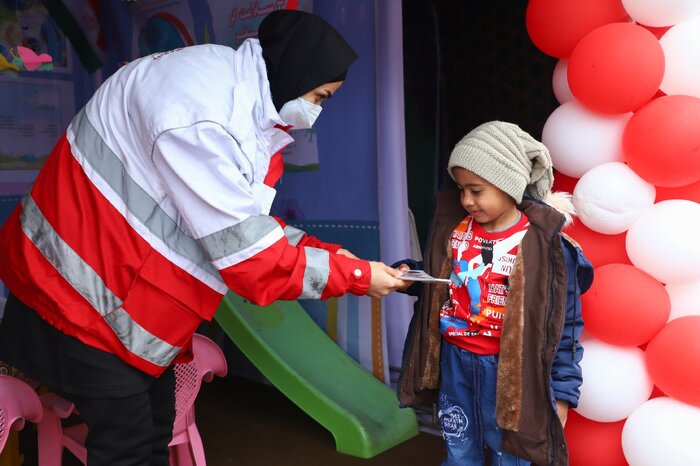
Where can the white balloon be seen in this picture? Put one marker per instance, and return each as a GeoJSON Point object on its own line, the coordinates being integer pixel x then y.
{"type": "Point", "coordinates": [658, 13]}
{"type": "Point", "coordinates": [579, 139]}
{"type": "Point", "coordinates": [610, 197]}
{"type": "Point", "coordinates": [560, 82]}
{"type": "Point", "coordinates": [663, 242]}
{"type": "Point", "coordinates": [685, 300]}
{"type": "Point", "coordinates": [615, 381]}
{"type": "Point", "coordinates": [681, 46]}
{"type": "Point", "coordinates": [662, 431]}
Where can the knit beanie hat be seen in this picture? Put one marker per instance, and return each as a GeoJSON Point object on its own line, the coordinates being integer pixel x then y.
{"type": "Point", "coordinates": [507, 157]}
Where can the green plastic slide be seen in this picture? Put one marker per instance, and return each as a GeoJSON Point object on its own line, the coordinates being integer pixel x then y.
{"type": "Point", "coordinates": [287, 346]}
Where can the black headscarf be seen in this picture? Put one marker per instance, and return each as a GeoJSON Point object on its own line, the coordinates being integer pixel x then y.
{"type": "Point", "coordinates": [301, 52]}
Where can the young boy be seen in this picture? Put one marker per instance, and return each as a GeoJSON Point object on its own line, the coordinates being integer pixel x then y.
{"type": "Point", "coordinates": [505, 330]}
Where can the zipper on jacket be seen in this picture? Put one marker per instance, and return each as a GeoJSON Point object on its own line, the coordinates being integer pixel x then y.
{"type": "Point", "coordinates": [550, 303]}
{"type": "Point", "coordinates": [554, 447]}
{"type": "Point", "coordinates": [550, 310]}
{"type": "Point", "coordinates": [552, 265]}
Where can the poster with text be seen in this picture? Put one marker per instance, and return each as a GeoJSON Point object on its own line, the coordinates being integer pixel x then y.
{"type": "Point", "coordinates": [238, 20]}
{"type": "Point", "coordinates": [34, 114]}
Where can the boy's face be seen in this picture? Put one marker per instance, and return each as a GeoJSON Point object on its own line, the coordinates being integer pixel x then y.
{"type": "Point", "coordinates": [489, 206]}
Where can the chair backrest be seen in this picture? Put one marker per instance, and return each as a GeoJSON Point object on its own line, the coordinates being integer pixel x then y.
{"type": "Point", "coordinates": [208, 361]}
{"type": "Point", "coordinates": [18, 402]}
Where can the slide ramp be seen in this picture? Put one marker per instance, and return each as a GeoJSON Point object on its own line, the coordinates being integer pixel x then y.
{"type": "Point", "coordinates": [305, 364]}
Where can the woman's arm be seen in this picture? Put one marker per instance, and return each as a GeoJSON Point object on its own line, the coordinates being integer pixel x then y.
{"type": "Point", "coordinates": [209, 181]}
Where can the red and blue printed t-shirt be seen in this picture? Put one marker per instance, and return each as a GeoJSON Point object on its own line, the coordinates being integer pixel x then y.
{"type": "Point", "coordinates": [482, 260]}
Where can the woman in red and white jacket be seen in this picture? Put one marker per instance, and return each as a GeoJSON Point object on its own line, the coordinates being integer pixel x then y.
{"type": "Point", "coordinates": [153, 204]}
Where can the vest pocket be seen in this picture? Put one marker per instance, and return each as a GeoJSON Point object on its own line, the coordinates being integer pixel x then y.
{"type": "Point", "coordinates": [153, 322]}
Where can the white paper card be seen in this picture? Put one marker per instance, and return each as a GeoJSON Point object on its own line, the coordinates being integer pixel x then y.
{"type": "Point", "coordinates": [421, 276]}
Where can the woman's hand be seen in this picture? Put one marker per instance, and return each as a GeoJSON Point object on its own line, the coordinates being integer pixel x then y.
{"type": "Point", "coordinates": [384, 280]}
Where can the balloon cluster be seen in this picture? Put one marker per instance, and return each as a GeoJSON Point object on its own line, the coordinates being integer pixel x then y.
{"type": "Point", "coordinates": [626, 141]}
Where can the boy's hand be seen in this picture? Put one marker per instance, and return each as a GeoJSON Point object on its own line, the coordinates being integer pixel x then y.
{"type": "Point", "coordinates": [404, 268]}
{"type": "Point", "coordinates": [383, 280]}
{"type": "Point", "coordinates": [562, 411]}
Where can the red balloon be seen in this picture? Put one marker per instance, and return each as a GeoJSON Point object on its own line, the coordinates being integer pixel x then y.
{"type": "Point", "coordinates": [555, 27]}
{"type": "Point", "coordinates": [616, 68]}
{"type": "Point", "coordinates": [594, 443]}
{"type": "Point", "coordinates": [600, 249]}
{"type": "Point", "coordinates": [661, 141]}
{"type": "Point", "coordinates": [657, 31]}
{"type": "Point", "coordinates": [673, 359]}
{"type": "Point", "coordinates": [690, 193]}
{"type": "Point", "coordinates": [656, 393]}
{"type": "Point", "coordinates": [564, 183]}
{"type": "Point", "coordinates": [625, 306]}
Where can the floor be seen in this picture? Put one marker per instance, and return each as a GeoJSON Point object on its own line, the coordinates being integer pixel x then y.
{"type": "Point", "coordinates": [245, 423]}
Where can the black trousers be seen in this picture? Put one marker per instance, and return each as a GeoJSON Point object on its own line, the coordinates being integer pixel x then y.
{"type": "Point", "coordinates": [129, 414]}
{"type": "Point", "coordinates": [131, 431]}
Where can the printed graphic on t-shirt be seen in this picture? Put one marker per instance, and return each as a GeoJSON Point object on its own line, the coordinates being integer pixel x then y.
{"type": "Point", "coordinates": [481, 263]}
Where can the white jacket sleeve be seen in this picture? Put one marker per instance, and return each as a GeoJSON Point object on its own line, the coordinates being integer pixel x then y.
{"type": "Point", "coordinates": [210, 183]}
{"type": "Point", "coordinates": [207, 177]}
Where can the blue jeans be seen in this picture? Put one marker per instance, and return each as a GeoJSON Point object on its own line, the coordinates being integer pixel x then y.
{"type": "Point", "coordinates": [468, 409]}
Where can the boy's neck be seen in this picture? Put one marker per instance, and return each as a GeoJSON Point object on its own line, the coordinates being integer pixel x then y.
{"type": "Point", "coordinates": [505, 221]}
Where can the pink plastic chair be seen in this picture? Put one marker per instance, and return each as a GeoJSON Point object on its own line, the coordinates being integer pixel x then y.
{"type": "Point", "coordinates": [18, 402]}
{"type": "Point", "coordinates": [186, 448]}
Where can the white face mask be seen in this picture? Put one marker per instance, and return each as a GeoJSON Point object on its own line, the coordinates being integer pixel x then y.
{"type": "Point", "coordinates": [300, 113]}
